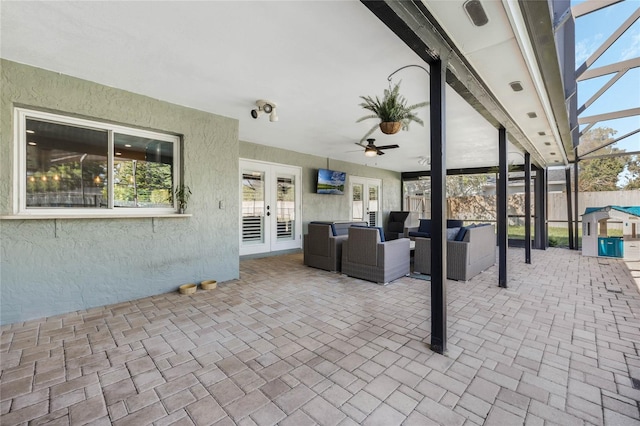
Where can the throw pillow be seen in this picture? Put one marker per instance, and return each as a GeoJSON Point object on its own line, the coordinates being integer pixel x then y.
{"type": "Point", "coordinates": [461, 234]}
{"type": "Point", "coordinates": [451, 233]}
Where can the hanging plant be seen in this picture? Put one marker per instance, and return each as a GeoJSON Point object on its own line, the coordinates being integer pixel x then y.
{"type": "Point", "coordinates": [392, 111]}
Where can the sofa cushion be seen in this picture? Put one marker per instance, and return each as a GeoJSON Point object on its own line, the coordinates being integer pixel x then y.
{"type": "Point", "coordinates": [452, 233]}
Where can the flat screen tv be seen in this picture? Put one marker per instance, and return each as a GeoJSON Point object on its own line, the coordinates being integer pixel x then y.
{"type": "Point", "coordinates": [331, 182]}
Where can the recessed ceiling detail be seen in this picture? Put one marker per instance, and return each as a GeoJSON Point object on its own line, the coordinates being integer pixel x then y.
{"type": "Point", "coordinates": [476, 12]}
{"type": "Point", "coordinates": [516, 86]}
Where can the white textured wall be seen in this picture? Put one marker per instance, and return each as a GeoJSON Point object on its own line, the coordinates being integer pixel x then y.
{"type": "Point", "coordinates": [54, 266]}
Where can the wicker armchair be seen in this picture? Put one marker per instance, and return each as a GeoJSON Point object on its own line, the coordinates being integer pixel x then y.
{"type": "Point", "coordinates": [323, 244]}
{"type": "Point", "coordinates": [365, 255]}
{"type": "Point", "coordinates": [395, 225]}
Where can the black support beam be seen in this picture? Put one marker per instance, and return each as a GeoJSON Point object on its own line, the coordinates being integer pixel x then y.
{"type": "Point", "coordinates": [569, 208]}
{"type": "Point", "coordinates": [540, 196]}
{"type": "Point", "coordinates": [437, 82]}
{"type": "Point", "coordinates": [527, 207]}
{"type": "Point", "coordinates": [576, 191]}
{"type": "Point", "coordinates": [502, 199]}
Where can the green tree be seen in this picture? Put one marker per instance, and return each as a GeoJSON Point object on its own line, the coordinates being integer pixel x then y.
{"type": "Point", "coordinates": [465, 185]}
{"type": "Point", "coordinates": [151, 183]}
{"type": "Point", "coordinates": [633, 173]}
{"type": "Point", "coordinates": [602, 173]}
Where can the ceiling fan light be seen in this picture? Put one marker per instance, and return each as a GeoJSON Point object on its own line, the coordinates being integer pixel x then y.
{"type": "Point", "coordinates": [370, 152]}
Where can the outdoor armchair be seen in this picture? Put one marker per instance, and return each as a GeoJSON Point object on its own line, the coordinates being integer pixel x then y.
{"type": "Point", "coordinates": [366, 255]}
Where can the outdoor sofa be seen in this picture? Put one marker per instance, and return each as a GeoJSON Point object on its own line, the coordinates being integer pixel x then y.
{"type": "Point", "coordinates": [424, 228]}
{"type": "Point", "coordinates": [469, 252]}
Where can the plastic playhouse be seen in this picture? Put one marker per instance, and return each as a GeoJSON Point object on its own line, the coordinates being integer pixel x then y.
{"type": "Point", "coordinates": [596, 240]}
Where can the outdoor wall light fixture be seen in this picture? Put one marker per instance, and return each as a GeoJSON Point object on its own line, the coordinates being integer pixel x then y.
{"type": "Point", "coordinates": [267, 107]}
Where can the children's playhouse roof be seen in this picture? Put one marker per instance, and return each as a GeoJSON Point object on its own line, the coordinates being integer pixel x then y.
{"type": "Point", "coordinates": [632, 210]}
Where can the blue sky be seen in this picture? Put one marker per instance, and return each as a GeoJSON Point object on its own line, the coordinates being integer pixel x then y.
{"type": "Point", "coordinates": [591, 31]}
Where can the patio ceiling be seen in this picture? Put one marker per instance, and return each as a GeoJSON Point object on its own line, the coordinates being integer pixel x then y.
{"type": "Point", "coordinates": [312, 58]}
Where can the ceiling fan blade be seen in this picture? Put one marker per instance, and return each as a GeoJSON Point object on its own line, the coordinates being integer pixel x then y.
{"type": "Point", "coordinates": [380, 152]}
{"type": "Point", "coordinates": [389, 146]}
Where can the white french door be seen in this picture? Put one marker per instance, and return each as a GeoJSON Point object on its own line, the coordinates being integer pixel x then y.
{"type": "Point", "coordinates": [270, 207]}
{"type": "Point", "coordinates": [366, 204]}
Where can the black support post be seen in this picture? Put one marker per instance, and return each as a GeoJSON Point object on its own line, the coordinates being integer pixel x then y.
{"type": "Point", "coordinates": [545, 200]}
{"type": "Point", "coordinates": [540, 239]}
{"type": "Point", "coordinates": [576, 222]}
{"type": "Point", "coordinates": [437, 82]}
{"type": "Point", "coordinates": [569, 207]}
{"type": "Point", "coordinates": [502, 219]}
{"type": "Point", "coordinates": [527, 207]}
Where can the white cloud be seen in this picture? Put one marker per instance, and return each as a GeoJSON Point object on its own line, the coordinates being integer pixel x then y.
{"type": "Point", "coordinates": [633, 50]}
{"type": "Point", "coordinates": [586, 47]}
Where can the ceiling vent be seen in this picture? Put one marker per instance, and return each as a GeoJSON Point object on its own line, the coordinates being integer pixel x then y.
{"type": "Point", "coordinates": [476, 12]}
{"type": "Point", "coordinates": [516, 86]}
{"type": "Point", "coordinates": [532, 114]}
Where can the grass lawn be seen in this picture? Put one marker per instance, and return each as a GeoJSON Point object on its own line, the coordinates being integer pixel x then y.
{"type": "Point", "coordinates": [557, 236]}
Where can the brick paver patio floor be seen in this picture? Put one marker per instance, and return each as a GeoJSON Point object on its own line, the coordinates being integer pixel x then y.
{"type": "Point", "coordinates": [291, 345]}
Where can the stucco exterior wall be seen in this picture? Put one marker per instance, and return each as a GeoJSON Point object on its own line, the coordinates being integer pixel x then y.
{"type": "Point", "coordinates": [50, 266]}
{"type": "Point", "coordinates": [324, 206]}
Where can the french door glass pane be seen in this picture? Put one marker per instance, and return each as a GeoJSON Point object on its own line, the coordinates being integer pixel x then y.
{"type": "Point", "coordinates": [357, 208]}
{"type": "Point", "coordinates": [67, 166]}
{"type": "Point", "coordinates": [253, 202]}
{"type": "Point", "coordinates": [373, 206]}
{"type": "Point", "coordinates": [286, 208]}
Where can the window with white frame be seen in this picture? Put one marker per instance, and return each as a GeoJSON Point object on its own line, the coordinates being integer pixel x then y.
{"type": "Point", "coordinates": [69, 165]}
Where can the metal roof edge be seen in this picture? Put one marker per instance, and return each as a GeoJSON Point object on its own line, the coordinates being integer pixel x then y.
{"type": "Point", "coordinates": [539, 24]}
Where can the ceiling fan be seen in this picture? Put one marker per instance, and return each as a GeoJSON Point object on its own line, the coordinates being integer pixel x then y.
{"type": "Point", "coordinates": [370, 150]}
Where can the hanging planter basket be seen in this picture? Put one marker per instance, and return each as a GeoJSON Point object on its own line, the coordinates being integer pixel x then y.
{"type": "Point", "coordinates": [390, 127]}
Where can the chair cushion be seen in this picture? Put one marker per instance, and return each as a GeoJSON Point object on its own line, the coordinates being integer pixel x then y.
{"type": "Point", "coordinates": [420, 234]}
{"type": "Point", "coordinates": [425, 226]}
{"type": "Point", "coordinates": [398, 216]}
{"type": "Point", "coordinates": [395, 227]}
